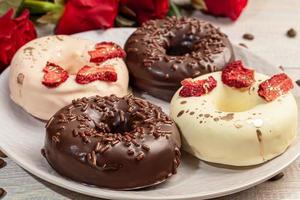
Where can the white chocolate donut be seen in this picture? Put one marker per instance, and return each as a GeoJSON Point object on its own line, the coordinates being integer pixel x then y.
{"type": "Point", "coordinates": [235, 127]}
{"type": "Point", "coordinates": [71, 53]}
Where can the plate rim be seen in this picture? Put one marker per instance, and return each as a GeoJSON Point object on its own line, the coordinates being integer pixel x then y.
{"type": "Point", "coordinates": [124, 195]}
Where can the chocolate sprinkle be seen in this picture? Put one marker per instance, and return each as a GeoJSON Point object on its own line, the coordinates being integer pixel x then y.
{"type": "Point", "coordinates": [206, 115]}
{"type": "Point", "coordinates": [281, 68]}
{"type": "Point", "coordinates": [298, 82]}
{"type": "Point", "coordinates": [2, 163]}
{"type": "Point", "coordinates": [20, 78]}
{"type": "Point", "coordinates": [2, 193]}
{"type": "Point", "coordinates": [130, 152]}
{"type": "Point", "coordinates": [172, 49]}
{"type": "Point", "coordinates": [248, 36]}
{"type": "Point", "coordinates": [145, 147]}
{"type": "Point", "coordinates": [2, 155]}
{"type": "Point", "coordinates": [140, 156]}
{"type": "Point", "coordinates": [180, 113]}
{"type": "Point", "coordinates": [291, 33]}
{"type": "Point", "coordinates": [243, 45]}
{"type": "Point", "coordinates": [259, 135]}
{"type": "Point", "coordinates": [227, 117]}
{"type": "Point", "coordinates": [98, 125]}
{"type": "Point", "coordinates": [183, 102]}
{"type": "Point", "coordinates": [277, 177]}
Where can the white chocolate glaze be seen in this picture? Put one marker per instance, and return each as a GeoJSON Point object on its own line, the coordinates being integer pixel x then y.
{"type": "Point", "coordinates": [235, 127]}
{"type": "Point", "coordinates": [69, 52]}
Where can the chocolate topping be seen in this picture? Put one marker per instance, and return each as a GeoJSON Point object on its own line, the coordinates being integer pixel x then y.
{"type": "Point", "coordinates": [113, 142]}
{"type": "Point", "coordinates": [162, 53]}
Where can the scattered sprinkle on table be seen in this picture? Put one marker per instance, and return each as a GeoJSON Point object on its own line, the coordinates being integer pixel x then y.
{"type": "Point", "coordinates": [291, 33]}
{"type": "Point", "coordinates": [243, 45]}
{"type": "Point", "coordinates": [281, 68]}
{"type": "Point", "coordinates": [2, 193]}
{"type": "Point", "coordinates": [248, 36]}
{"type": "Point", "coordinates": [277, 177]}
{"type": "Point", "coordinates": [2, 163]}
{"type": "Point", "coordinates": [298, 82]}
{"type": "Point", "coordinates": [2, 155]}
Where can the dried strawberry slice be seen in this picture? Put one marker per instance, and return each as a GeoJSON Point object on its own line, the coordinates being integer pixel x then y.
{"type": "Point", "coordinates": [106, 50]}
{"type": "Point", "coordinates": [89, 74]}
{"type": "Point", "coordinates": [274, 87]}
{"type": "Point", "coordinates": [54, 75]}
{"type": "Point", "coordinates": [236, 75]}
{"type": "Point", "coordinates": [197, 88]}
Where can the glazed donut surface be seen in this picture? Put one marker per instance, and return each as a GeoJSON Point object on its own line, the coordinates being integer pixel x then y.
{"type": "Point", "coordinates": [119, 143]}
{"type": "Point", "coordinates": [235, 127]}
{"type": "Point", "coordinates": [70, 53]}
{"type": "Point", "coordinates": [162, 53]}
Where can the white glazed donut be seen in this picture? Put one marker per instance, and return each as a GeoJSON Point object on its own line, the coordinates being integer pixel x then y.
{"type": "Point", "coordinates": [235, 127]}
{"type": "Point", "coordinates": [71, 53]}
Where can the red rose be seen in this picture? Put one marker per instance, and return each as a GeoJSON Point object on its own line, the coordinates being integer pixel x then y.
{"type": "Point", "coordinates": [228, 8]}
{"type": "Point", "coordinates": [147, 9]}
{"type": "Point", "coordinates": [14, 33]}
{"type": "Point", "coordinates": [84, 15]}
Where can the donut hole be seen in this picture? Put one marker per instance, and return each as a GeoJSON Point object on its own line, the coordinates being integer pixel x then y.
{"type": "Point", "coordinates": [72, 62]}
{"type": "Point", "coordinates": [121, 127]}
{"type": "Point", "coordinates": [182, 46]}
{"type": "Point", "coordinates": [118, 125]}
{"type": "Point", "coordinates": [233, 100]}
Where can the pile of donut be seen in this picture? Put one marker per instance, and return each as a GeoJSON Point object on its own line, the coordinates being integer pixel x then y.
{"type": "Point", "coordinates": [98, 133]}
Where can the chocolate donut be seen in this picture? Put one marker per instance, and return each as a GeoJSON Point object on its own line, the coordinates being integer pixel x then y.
{"type": "Point", "coordinates": [161, 53]}
{"type": "Point", "coordinates": [118, 143]}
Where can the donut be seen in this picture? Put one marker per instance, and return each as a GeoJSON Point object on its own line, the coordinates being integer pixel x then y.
{"type": "Point", "coordinates": [47, 73]}
{"type": "Point", "coordinates": [163, 52]}
{"type": "Point", "coordinates": [111, 142]}
{"type": "Point", "coordinates": [239, 126]}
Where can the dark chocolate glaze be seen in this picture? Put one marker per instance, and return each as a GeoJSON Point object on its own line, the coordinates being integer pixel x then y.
{"type": "Point", "coordinates": [162, 53]}
{"type": "Point", "coordinates": [118, 143]}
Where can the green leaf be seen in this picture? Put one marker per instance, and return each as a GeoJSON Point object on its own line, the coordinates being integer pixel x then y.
{"type": "Point", "coordinates": [5, 5]}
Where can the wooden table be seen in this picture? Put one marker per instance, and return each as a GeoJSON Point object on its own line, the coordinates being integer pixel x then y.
{"type": "Point", "coordinates": [268, 21]}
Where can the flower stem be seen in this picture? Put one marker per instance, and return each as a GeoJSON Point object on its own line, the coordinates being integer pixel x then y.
{"type": "Point", "coordinates": [41, 7]}
{"type": "Point", "coordinates": [174, 10]}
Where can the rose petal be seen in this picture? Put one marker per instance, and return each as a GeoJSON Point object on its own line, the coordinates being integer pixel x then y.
{"type": "Point", "coordinates": [14, 34]}
{"type": "Point", "coordinates": [84, 15]}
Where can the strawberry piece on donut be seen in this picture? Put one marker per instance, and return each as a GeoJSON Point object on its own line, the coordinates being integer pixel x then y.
{"type": "Point", "coordinates": [54, 75]}
{"type": "Point", "coordinates": [106, 50]}
{"type": "Point", "coordinates": [236, 75]}
{"type": "Point", "coordinates": [89, 74]}
{"type": "Point", "coordinates": [197, 88]}
{"type": "Point", "coordinates": [274, 87]}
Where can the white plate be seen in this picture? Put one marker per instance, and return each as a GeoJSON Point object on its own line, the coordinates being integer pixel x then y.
{"type": "Point", "coordinates": [22, 138]}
